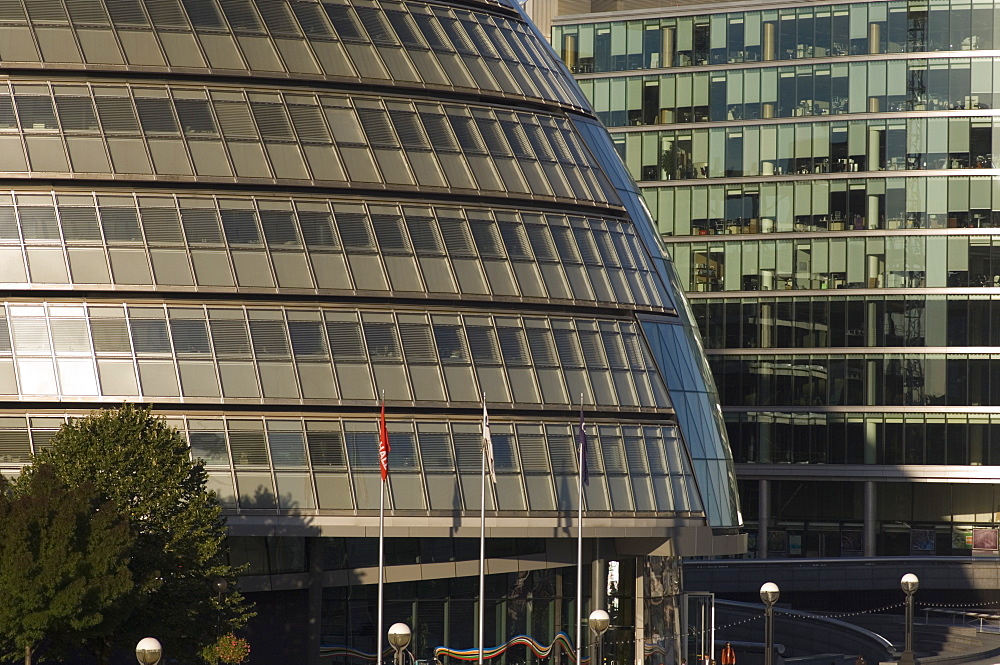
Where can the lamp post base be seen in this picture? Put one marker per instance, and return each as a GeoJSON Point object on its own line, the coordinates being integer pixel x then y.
{"type": "Point", "coordinates": [907, 658]}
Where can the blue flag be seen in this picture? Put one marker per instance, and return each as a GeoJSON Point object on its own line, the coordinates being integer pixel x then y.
{"type": "Point", "coordinates": [584, 474]}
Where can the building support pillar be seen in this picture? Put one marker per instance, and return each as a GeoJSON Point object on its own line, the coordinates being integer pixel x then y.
{"type": "Point", "coordinates": [314, 631]}
{"type": "Point", "coordinates": [639, 645]}
{"type": "Point", "coordinates": [598, 578]}
{"type": "Point", "coordinates": [763, 515]}
{"type": "Point", "coordinates": [869, 532]}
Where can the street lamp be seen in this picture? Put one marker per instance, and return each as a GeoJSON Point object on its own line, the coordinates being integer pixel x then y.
{"type": "Point", "coordinates": [909, 583]}
{"type": "Point", "coordinates": [599, 622]}
{"type": "Point", "coordinates": [148, 651]}
{"type": "Point", "coordinates": [399, 639]}
{"type": "Point", "coordinates": [220, 585]}
{"type": "Point", "coordinates": [769, 593]}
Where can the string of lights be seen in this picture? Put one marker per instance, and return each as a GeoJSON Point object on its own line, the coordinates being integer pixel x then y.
{"type": "Point", "coordinates": [874, 610]}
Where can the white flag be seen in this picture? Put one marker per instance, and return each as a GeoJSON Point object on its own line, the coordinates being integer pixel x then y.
{"type": "Point", "coordinates": [488, 445]}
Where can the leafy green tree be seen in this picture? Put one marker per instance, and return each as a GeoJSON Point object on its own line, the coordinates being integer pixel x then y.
{"type": "Point", "coordinates": [144, 466]}
{"type": "Point", "coordinates": [63, 562]}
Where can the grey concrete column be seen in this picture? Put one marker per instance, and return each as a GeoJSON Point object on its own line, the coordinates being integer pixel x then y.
{"type": "Point", "coordinates": [598, 578]}
{"type": "Point", "coordinates": [869, 533]}
{"type": "Point", "coordinates": [559, 619]}
{"type": "Point", "coordinates": [640, 610]}
{"type": "Point", "coordinates": [315, 627]}
{"type": "Point", "coordinates": [763, 515]}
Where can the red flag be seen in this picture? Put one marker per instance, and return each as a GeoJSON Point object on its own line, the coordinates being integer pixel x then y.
{"type": "Point", "coordinates": [383, 446]}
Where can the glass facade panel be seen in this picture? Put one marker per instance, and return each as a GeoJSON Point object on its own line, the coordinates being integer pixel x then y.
{"type": "Point", "coordinates": [823, 179]}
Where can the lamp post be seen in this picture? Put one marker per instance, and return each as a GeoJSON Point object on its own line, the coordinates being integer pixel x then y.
{"type": "Point", "coordinates": [148, 651]}
{"type": "Point", "coordinates": [399, 639]}
{"type": "Point", "coordinates": [220, 585]}
{"type": "Point", "coordinates": [599, 622]}
{"type": "Point", "coordinates": [909, 583]}
{"type": "Point", "coordinates": [769, 593]}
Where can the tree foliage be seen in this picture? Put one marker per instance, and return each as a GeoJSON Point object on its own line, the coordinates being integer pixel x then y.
{"type": "Point", "coordinates": [143, 465]}
{"type": "Point", "coordinates": [63, 562]}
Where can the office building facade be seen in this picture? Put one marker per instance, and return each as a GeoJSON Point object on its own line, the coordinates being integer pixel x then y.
{"type": "Point", "coordinates": [824, 176]}
{"type": "Point", "coordinates": [264, 217]}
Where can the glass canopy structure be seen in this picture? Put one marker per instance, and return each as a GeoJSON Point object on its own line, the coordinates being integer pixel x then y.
{"type": "Point", "coordinates": [262, 216]}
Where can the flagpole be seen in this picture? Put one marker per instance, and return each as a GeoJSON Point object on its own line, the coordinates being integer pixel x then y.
{"type": "Point", "coordinates": [482, 542]}
{"type": "Point", "coordinates": [381, 570]}
{"type": "Point", "coordinates": [579, 550]}
{"type": "Point", "coordinates": [381, 535]}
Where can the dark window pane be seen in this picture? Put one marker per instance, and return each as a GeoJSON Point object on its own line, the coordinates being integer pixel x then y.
{"type": "Point", "coordinates": [35, 112]}
{"type": "Point", "coordinates": [269, 339]}
{"type": "Point", "coordinates": [279, 228]}
{"type": "Point", "coordinates": [317, 229]}
{"type": "Point", "coordinates": [241, 16]}
{"type": "Point", "coordinates": [308, 339]}
{"type": "Point", "coordinates": [240, 227]}
{"type": "Point", "coordinates": [156, 116]}
{"type": "Point", "coordinates": [120, 225]}
{"type": "Point", "coordinates": [190, 337]}
{"type": "Point", "coordinates": [76, 113]}
{"type": "Point", "coordinates": [39, 223]}
{"type": "Point", "coordinates": [195, 116]}
{"type": "Point", "coordinates": [150, 336]}
{"type": "Point", "coordinates": [201, 225]}
{"type": "Point", "coordinates": [203, 14]}
{"type": "Point", "coordinates": [345, 22]}
{"type": "Point", "coordinates": [79, 223]}
{"type": "Point", "coordinates": [117, 115]}
{"type": "Point", "coordinates": [126, 12]}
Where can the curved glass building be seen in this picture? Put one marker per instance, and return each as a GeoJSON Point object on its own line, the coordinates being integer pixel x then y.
{"type": "Point", "coordinates": [263, 216]}
{"type": "Point", "coordinates": [825, 176]}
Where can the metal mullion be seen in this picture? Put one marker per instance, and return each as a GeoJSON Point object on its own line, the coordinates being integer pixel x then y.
{"type": "Point", "coordinates": [413, 254]}
{"type": "Point", "coordinates": [372, 149]}
{"type": "Point", "coordinates": [253, 359]}
{"type": "Point", "coordinates": [130, 96]}
{"type": "Point", "coordinates": [31, 31]}
{"type": "Point", "coordinates": [267, 446]}
{"type": "Point", "coordinates": [406, 363]}
{"type": "Point", "coordinates": [111, 28]}
{"type": "Point", "coordinates": [61, 241]}
{"type": "Point", "coordinates": [347, 466]}
{"type": "Point", "coordinates": [555, 356]}
{"type": "Point", "coordinates": [515, 160]}
{"type": "Point", "coordinates": [364, 344]}
{"type": "Point", "coordinates": [152, 29]}
{"type": "Point", "coordinates": [450, 425]}
{"type": "Point", "coordinates": [20, 132]}
{"type": "Point", "coordinates": [101, 133]}
{"type": "Point", "coordinates": [294, 362]}
{"type": "Point", "coordinates": [183, 135]}
{"type": "Point", "coordinates": [214, 358]}
{"type": "Point", "coordinates": [223, 139]}
{"type": "Point", "coordinates": [135, 355]}
{"type": "Point", "coordinates": [420, 463]}
{"type": "Point", "coordinates": [187, 255]}
{"type": "Point", "coordinates": [52, 354]}
{"type": "Point", "coordinates": [72, 29]}
{"type": "Point", "coordinates": [530, 365]}
{"type": "Point", "coordinates": [309, 464]}
{"type": "Point", "coordinates": [500, 361]}
{"type": "Point", "coordinates": [260, 136]}
{"type": "Point", "coordinates": [225, 247]}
